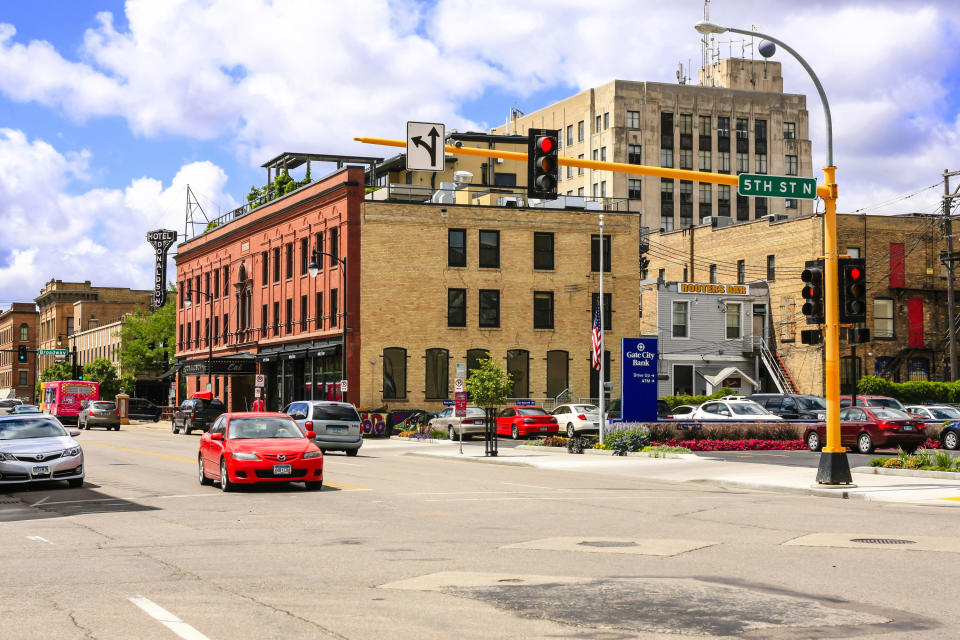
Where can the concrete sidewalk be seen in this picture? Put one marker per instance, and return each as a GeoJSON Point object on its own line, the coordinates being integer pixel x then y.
{"type": "Point", "coordinates": [931, 491]}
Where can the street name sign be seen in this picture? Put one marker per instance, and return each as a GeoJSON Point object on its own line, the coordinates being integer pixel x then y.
{"type": "Point", "coordinates": [777, 186]}
{"type": "Point", "coordinates": [425, 146]}
{"type": "Point", "coordinates": [53, 352]}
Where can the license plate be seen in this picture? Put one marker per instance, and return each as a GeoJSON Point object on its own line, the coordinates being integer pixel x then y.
{"type": "Point", "coordinates": [543, 428]}
{"type": "Point", "coordinates": [336, 429]}
{"type": "Point", "coordinates": [41, 470]}
{"type": "Point", "coordinates": [282, 469]}
{"type": "Point", "coordinates": [908, 427]}
{"type": "Point", "coordinates": [596, 424]}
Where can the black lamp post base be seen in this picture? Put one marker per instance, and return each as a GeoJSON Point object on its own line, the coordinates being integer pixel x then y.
{"type": "Point", "coordinates": [834, 469]}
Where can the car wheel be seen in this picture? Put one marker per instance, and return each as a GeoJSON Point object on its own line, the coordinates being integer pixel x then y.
{"type": "Point", "coordinates": [352, 452]}
{"type": "Point", "coordinates": [156, 418]}
{"type": "Point", "coordinates": [204, 480]}
{"type": "Point", "coordinates": [450, 432]}
{"type": "Point", "coordinates": [571, 432]}
{"type": "Point", "coordinates": [864, 443]}
{"type": "Point", "coordinates": [75, 483]}
{"type": "Point", "coordinates": [225, 483]}
{"type": "Point", "coordinates": [187, 428]}
{"type": "Point", "coordinates": [515, 432]}
{"type": "Point", "coordinates": [174, 427]}
{"type": "Point", "coordinates": [813, 441]}
{"type": "Point", "coordinates": [314, 486]}
{"type": "Point", "coordinates": [950, 440]}
{"type": "Point", "coordinates": [116, 428]}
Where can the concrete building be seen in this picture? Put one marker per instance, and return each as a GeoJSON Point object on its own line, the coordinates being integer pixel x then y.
{"type": "Point", "coordinates": [18, 327]}
{"type": "Point", "coordinates": [101, 341]}
{"type": "Point", "coordinates": [738, 120]}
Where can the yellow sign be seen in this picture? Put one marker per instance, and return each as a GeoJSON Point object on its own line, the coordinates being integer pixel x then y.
{"type": "Point", "coordinates": [719, 289]}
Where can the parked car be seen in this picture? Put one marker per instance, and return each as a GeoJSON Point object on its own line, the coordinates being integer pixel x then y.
{"type": "Point", "coordinates": [950, 436]}
{"type": "Point", "coordinates": [196, 413]}
{"type": "Point", "coordinates": [577, 418]}
{"type": "Point", "coordinates": [245, 448]}
{"type": "Point", "coordinates": [143, 409]}
{"type": "Point", "coordinates": [873, 401]}
{"type": "Point", "coordinates": [792, 406]}
{"type": "Point", "coordinates": [36, 447]}
{"type": "Point", "coordinates": [935, 412]}
{"type": "Point", "coordinates": [335, 425]}
{"type": "Point", "coordinates": [474, 423]}
{"type": "Point", "coordinates": [869, 428]}
{"type": "Point", "coordinates": [99, 413]}
{"type": "Point", "coordinates": [614, 414]}
{"type": "Point", "coordinates": [518, 422]}
{"type": "Point", "coordinates": [682, 412]}
{"type": "Point", "coordinates": [6, 406]}
{"type": "Point", "coordinates": [741, 409]}
{"type": "Point", "coordinates": [24, 408]}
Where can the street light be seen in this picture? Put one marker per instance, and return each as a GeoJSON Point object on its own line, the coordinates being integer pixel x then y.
{"type": "Point", "coordinates": [187, 302]}
{"type": "Point", "coordinates": [314, 269]}
{"type": "Point", "coordinates": [834, 469]}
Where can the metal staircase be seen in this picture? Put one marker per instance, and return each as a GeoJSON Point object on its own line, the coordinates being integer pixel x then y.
{"type": "Point", "coordinates": [777, 369]}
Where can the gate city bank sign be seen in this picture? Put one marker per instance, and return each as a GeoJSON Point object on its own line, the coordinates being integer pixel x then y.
{"type": "Point", "coordinates": [638, 379]}
{"type": "Point", "coordinates": [162, 240]}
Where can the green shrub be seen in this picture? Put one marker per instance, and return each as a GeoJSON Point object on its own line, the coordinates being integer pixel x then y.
{"type": "Point", "coordinates": [620, 446]}
{"type": "Point", "coordinates": [675, 401]}
{"type": "Point", "coordinates": [437, 434]}
{"type": "Point", "coordinates": [942, 460]}
{"type": "Point", "coordinates": [877, 462]}
{"type": "Point", "coordinates": [922, 456]}
{"type": "Point", "coordinates": [636, 438]}
{"type": "Point", "coordinates": [661, 451]}
{"type": "Point", "coordinates": [914, 392]}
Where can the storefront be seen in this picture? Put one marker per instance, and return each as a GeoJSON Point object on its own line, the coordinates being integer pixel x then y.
{"type": "Point", "coordinates": [301, 371]}
{"type": "Point", "coordinates": [230, 378]}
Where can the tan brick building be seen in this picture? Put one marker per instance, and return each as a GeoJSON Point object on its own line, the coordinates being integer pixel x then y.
{"type": "Point", "coordinates": [102, 341]}
{"type": "Point", "coordinates": [18, 326]}
{"type": "Point", "coordinates": [906, 287]}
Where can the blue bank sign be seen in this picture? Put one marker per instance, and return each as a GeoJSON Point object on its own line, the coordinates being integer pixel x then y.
{"type": "Point", "coordinates": [638, 379]}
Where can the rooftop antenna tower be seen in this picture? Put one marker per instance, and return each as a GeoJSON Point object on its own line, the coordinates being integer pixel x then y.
{"type": "Point", "coordinates": [193, 205]}
{"type": "Point", "coordinates": [705, 52]}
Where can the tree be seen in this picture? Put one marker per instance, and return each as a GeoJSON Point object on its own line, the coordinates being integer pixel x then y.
{"type": "Point", "coordinates": [128, 384]}
{"type": "Point", "coordinates": [146, 335]}
{"type": "Point", "coordinates": [102, 370]}
{"type": "Point", "coordinates": [489, 385]}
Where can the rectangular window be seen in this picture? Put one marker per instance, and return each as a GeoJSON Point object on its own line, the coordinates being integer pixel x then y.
{"type": "Point", "coordinates": [303, 313]}
{"type": "Point", "coordinates": [761, 162]}
{"type": "Point", "coordinates": [595, 252]}
{"type": "Point", "coordinates": [666, 203]}
{"type": "Point", "coordinates": [226, 281]}
{"type": "Point", "coordinates": [304, 255]}
{"type": "Point", "coordinates": [713, 274]}
{"type": "Point", "coordinates": [319, 309]}
{"type": "Point", "coordinates": [23, 377]}
{"type": "Point", "coordinates": [790, 203]}
{"type": "Point", "coordinates": [206, 284]}
{"type": "Point", "coordinates": [580, 169]}
{"type": "Point", "coordinates": [489, 308]}
{"type": "Point", "coordinates": [742, 128]}
{"type": "Point", "coordinates": [723, 162]}
{"type": "Point", "coordinates": [686, 124]}
{"type": "Point", "coordinates": [334, 308]}
{"type": "Point", "coordinates": [505, 179]}
{"type": "Point", "coordinates": [633, 119]}
{"type": "Point", "coordinates": [543, 310]}
{"type": "Point", "coordinates": [666, 131]}
{"type": "Point", "coordinates": [760, 134]}
{"type": "Point", "coordinates": [603, 154]}
{"type": "Point", "coordinates": [706, 200]}
{"type": "Point", "coordinates": [580, 132]}
{"type": "Point", "coordinates": [226, 328]}
{"type": "Point", "coordinates": [607, 309]}
{"type": "Point", "coordinates": [289, 250]}
{"type": "Point", "coordinates": [216, 329]}
{"type": "Point", "coordinates": [569, 172]}
{"type": "Point", "coordinates": [596, 128]}
{"type": "Point", "coordinates": [743, 163]}
{"type": "Point", "coordinates": [743, 207]}
{"type": "Point", "coordinates": [686, 203]}
{"type": "Point", "coordinates": [456, 247]}
{"type": "Point", "coordinates": [489, 249]}
{"type": "Point", "coordinates": [603, 188]}
{"type": "Point", "coordinates": [456, 307]}
{"type": "Point", "coordinates": [634, 190]}
{"type": "Point", "coordinates": [741, 271]}
{"type": "Point", "coordinates": [666, 157]}
{"type": "Point", "coordinates": [686, 158]}
{"type": "Point", "coordinates": [771, 268]}
{"type": "Point", "coordinates": [276, 264]}
{"type": "Point", "coordinates": [318, 241]}
{"type": "Point", "coordinates": [704, 158]}
{"type": "Point", "coordinates": [791, 165]}
{"type": "Point", "coordinates": [606, 120]}
{"type": "Point", "coordinates": [733, 320]}
{"type": "Point", "coordinates": [596, 154]}
{"type": "Point", "coordinates": [635, 154]}
{"type": "Point", "coordinates": [706, 133]}
{"type": "Point", "coordinates": [569, 134]}
{"type": "Point", "coordinates": [680, 308]}
{"type": "Point", "coordinates": [883, 318]}
{"type": "Point", "coordinates": [334, 246]}
{"type": "Point", "coordinates": [723, 127]}
{"type": "Point", "coordinates": [580, 192]}
{"type": "Point", "coordinates": [543, 251]}
{"type": "Point", "coordinates": [276, 318]}
{"type": "Point", "coordinates": [723, 200]}
{"type": "Point", "coordinates": [789, 130]}
{"type": "Point", "coordinates": [263, 321]}
{"type": "Point", "coordinates": [760, 207]}
{"type": "Point", "coordinates": [215, 292]}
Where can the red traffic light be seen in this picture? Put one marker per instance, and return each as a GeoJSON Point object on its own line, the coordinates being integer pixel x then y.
{"type": "Point", "coordinates": [855, 273]}
{"type": "Point", "coordinates": [545, 144]}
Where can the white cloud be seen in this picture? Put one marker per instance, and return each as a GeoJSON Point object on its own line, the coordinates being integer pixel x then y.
{"type": "Point", "coordinates": [99, 235]}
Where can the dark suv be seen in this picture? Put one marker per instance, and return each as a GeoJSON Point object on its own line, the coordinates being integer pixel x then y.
{"type": "Point", "coordinates": [143, 409]}
{"type": "Point", "coordinates": [196, 413]}
{"type": "Point", "coordinates": [792, 406]}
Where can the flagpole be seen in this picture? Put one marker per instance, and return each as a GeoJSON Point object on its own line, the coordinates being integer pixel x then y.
{"type": "Point", "coordinates": [603, 420]}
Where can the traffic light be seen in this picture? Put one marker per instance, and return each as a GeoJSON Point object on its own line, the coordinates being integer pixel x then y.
{"type": "Point", "coordinates": [812, 293]}
{"type": "Point", "coordinates": [22, 353]}
{"type": "Point", "coordinates": [853, 290]}
{"type": "Point", "coordinates": [543, 167]}
{"type": "Point", "coordinates": [811, 336]}
{"type": "Point", "coordinates": [858, 336]}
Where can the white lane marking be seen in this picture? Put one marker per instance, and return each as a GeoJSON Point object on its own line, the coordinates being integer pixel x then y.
{"type": "Point", "coordinates": [38, 539]}
{"type": "Point", "coordinates": [40, 501]}
{"type": "Point", "coordinates": [529, 486]}
{"type": "Point", "coordinates": [564, 498]}
{"type": "Point", "coordinates": [167, 619]}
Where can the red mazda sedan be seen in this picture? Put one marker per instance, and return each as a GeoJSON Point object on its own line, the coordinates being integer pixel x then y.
{"type": "Point", "coordinates": [868, 428]}
{"type": "Point", "coordinates": [244, 448]}
{"type": "Point", "coordinates": [523, 421]}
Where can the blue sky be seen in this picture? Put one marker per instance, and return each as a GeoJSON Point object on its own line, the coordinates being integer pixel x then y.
{"type": "Point", "coordinates": [109, 108]}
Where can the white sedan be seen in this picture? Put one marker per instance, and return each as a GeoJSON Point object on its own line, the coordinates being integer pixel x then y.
{"type": "Point", "coordinates": [931, 412]}
{"type": "Point", "coordinates": [577, 418]}
{"type": "Point", "coordinates": [740, 410]}
{"type": "Point", "coordinates": [682, 412]}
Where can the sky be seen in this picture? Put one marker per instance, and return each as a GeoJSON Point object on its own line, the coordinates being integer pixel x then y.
{"type": "Point", "coordinates": [108, 109]}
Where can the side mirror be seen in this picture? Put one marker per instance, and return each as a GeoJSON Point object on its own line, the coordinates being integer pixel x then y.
{"type": "Point", "coordinates": [74, 433]}
{"type": "Point", "coordinates": [311, 435]}
{"type": "Point", "coordinates": [216, 436]}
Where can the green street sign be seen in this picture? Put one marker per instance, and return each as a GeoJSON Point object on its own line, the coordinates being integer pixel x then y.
{"type": "Point", "coordinates": [777, 186]}
{"type": "Point", "coordinates": [53, 352]}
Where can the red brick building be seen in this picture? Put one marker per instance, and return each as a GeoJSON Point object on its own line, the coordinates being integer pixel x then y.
{"type": "Point", "coordinates": [18, 326]}
{"type": "Point", "coordinates": [255, 308]}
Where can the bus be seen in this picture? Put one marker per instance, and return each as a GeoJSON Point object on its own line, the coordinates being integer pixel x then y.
{"type": "Point", "coordinates": [65, 399]}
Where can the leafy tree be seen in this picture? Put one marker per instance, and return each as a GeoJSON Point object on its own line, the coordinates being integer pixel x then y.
{"type": "Point", "coordinates": [102, 370]}
{"type": "Point", "coordinates": [128, 384]}
{"type": "Point", "coordinates": [489, 385]}
{"type": "Point", "coordinates": [146, 335]}
{"type": "Point", "coordinates": [57, 371]}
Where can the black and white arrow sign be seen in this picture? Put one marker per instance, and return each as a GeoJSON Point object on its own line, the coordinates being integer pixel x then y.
{"type": "Point", "coordinates": [425, 142]}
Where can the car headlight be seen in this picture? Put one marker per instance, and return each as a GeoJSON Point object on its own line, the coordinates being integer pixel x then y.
{"type": "Point", "coordinates": [7, 456]}
{"type": "Point", "coordinates": [313, 454]}
{"type": "Point", "coordinates": [244, 456]}
{"type": "Point", "coordinates": [69, 453]}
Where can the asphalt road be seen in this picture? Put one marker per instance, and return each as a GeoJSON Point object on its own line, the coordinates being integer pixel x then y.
{"type": "Point", "coordinates": [403, 546]}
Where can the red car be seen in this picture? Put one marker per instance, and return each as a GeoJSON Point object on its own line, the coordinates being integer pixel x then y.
{"type": "Point", "coordinates": [869, 428]}
{"type": "Point", "coordinates": [244, 448]}
{"type": "Point", "coordinates": [522, 421]}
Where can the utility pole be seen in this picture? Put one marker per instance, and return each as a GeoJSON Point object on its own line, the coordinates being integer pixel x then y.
{"type": "Point", "coordinates": [948, 232]}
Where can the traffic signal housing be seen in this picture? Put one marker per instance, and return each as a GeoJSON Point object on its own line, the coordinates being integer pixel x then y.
{"type": "Point", "coordinates": [22, 353]}
{"type": "Point", "coordinates": [852, 290]}
{"type": "Point", "coordinates": [543, 166]}
{"type": "Point", "coordinates": [812, 292]}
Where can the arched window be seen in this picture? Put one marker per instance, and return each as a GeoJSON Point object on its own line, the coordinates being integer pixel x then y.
{"type": "Point", "coordinates": [24, 332]}
{"type": "Point", "coordinates": [436, 385]}
{"type": "Point", "coordinates": [518, 366]}
{"type": "Point", "coordinates": [475, 358]}
{"type": "Point", "coordinates": [394, 373]}
{"type": "Point", "coordinates": [558, 372]}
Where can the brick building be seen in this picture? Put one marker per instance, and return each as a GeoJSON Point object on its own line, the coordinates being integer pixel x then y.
{"type": "Point", "coordinates": [906, 287]}
{"type": "Point", "coordinates": [18, 326]}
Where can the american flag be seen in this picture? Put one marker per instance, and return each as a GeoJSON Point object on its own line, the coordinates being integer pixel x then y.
{"type": "Point", "coordinates": [595, 338]}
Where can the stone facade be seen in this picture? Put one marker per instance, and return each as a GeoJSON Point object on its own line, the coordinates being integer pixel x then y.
{"type": "Point", "coordinates": [102, 341]}
{"type": "Point", "coordinates": [18, 326]}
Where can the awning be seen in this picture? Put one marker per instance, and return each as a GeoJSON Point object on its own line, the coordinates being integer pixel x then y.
{"type": "Point", "coordinates": [717, 380]}
{"type": "Point", "coordinates": [238, 365]}
{"type": "Point", "coordinates": [298, 350]}
{"type": "Point", "coordinates": [169, 373]}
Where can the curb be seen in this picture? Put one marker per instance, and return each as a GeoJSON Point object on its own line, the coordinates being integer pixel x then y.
{"type": "Point", "coordinates": [507, 462]}
{"type": "Point", "coordinates": [912, 473]}
{"type": "Point", "coordinates": [608, 453]}
{"type": "Point", "coordinates": [843, 494]}
{"type": "Point", "coordinates": [427, 440]}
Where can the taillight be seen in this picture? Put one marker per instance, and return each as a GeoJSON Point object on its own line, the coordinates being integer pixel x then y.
{"type": "Point", "coordinates": [191, 415]}
{"type": "Point", "coordinates": [581, 417]}
{"type": "Point", "coordinates": [669, 418]}
{"type": "Point", "coordinates": [308, 425]}
{"type": "Point", "coordinates": [118, 414]}
{"type": "Point", "coordinates": [887, 425]}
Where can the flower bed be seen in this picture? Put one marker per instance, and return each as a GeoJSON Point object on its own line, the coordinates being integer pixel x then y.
{"type": "Point", "coordinates": [734, 445]}
{"type": "Point", "coordinates": [921, 460]}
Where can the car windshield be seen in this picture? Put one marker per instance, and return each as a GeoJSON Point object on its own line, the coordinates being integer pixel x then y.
{"type": "Point", "coordinates": [682, 410]}
{"type": "Point", "coordinates": [531, 411]}
{"type": "Point", "coordinates": [811, 403]}
{"type": "Point", "coordinates": [265, 427]}
{"type": "Point", "coordinates": [891, 403]}
{"type": "Point", "coordinates": [891, 414]}
{"type": "Point", "coordinates": [342, 412]}
{"type": "Point", "coordinates": [23, 428]}
{"type": "Point", "coordinates": [944, 413]}
{"type": "Point", "coordinates": [26, 408]}
{"type": "Point", "coordinates": [585, 408]}
{"type": "Point", "coordinates": [747, 409]}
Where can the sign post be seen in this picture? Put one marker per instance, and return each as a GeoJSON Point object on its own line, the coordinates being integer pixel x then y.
{"type": "Point", "coordinates": [460, 410]}
{"type": "Point", "coordinates": [638, 379]}
{"type": "Point", "coordinates": [777, 186]}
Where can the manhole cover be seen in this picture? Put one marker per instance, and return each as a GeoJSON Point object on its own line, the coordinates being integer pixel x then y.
{"type": "Point", "coordinates": [607, 543]}
{"type": "Point", "coordinates": [882, 541]}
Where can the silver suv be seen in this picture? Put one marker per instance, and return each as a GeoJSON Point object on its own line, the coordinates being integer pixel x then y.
{"type": "Point", "coordinates": [336, 424]}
